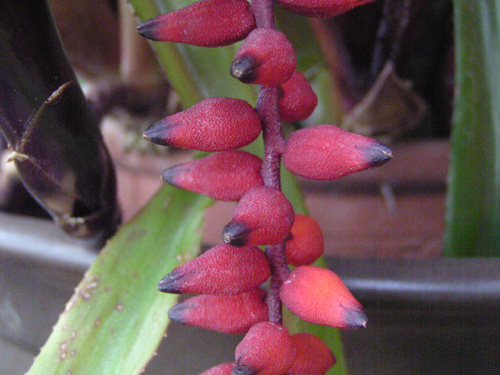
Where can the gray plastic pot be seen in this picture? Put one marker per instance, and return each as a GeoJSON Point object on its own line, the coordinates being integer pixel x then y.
{"type": "Point", "coordinates": [436, 316]}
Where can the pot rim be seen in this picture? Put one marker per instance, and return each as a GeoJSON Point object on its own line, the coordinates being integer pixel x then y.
{"type": "Point", "coordinates": [400, 283]}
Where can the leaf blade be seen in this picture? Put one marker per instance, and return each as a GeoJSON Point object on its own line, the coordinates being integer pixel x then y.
{"type": "Point", "coordinates": [473, 201]}
{"type": "Point", "coordinates": [116, 318]}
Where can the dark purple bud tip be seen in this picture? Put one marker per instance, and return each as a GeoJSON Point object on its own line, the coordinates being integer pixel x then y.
{"type": "Point", "coordinates": [235, 234]}
{"type": "Point", "coordinates": [157, 133]}
{"type": "Point", "coordinates": [149, 28]}
{"type": "Point", "coordinates": [377, 154]}
{"type": "Point", "coordinates": [171, 282]}
{"type": "Point", "coordinates": [177, 312]}
{"type": "Point", "coordinates": [355, 319]}
{"type": "Point", "coordinates": [244, 69]}
{"type": "Point", "coordinates": [239, 369]}
{"type": "Point", "coordinates": [170, 175]}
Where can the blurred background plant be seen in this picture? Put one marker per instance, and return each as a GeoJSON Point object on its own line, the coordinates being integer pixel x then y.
{"type": "Point", "coordinates": [386, 70]}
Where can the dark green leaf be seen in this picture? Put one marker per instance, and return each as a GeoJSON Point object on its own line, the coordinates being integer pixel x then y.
{"type": "Point", "coordinates": [473, 206]}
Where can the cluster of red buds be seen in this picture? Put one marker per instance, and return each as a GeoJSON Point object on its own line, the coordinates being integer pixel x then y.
{"type": "Point", "coordinates": [229, 277]}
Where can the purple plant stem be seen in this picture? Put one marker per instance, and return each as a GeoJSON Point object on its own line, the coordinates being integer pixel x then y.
{"type": "Point", "coordinates": [279, 272]}
{"type": "Point", "coordinates": [268, 109]}
{"type": "Point", "coordinates": [264, 13]}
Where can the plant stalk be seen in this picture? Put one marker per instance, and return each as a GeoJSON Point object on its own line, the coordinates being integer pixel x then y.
{"type": "Point", "coordinates": [268, 109]}
{"type": "Point", "coordinates": [264, 13]}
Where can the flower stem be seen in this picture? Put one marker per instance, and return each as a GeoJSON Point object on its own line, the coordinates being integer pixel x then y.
{"type": "Point", "coordinates": [268, 109]}
{"type": "Point", "coordinates": [279, 272]}
{"type": "Point", "coordinates": [264, 13]}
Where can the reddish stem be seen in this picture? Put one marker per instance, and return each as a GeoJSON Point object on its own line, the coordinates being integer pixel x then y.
{"type": "Point", "coordinates": [264, 13]}
{"type": "Point", "coordinates": [268, 109]}
{"type": "Point", "coordinates": [279, 272]}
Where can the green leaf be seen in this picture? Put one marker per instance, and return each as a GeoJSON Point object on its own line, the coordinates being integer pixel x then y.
{"type": "Point", "coordinates": [473, 205]}
{"type": "Point", "coordinates": [298, 30]}
{"type": "Point", "coordinates": [116, 318]}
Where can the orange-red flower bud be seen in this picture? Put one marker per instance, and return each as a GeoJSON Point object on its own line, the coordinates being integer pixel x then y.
{"type": "Point", "coordinates": [214, 124]}
{"type": "Point", "coordinates": [206, 23]}
{"type": "Point", "coordinates": [312, 355]}
{"type": "Point", "coordinates": [266, 57]}
{"type": "Point", "coordinates": [226, 314]}
{"type": "Point", "coordinates": [321, 8]}
{"type": "Point", "coordinates": [224, 176]}
{"type": "Point", "coordinates": [317, 295]}
{"type": "Point", "coordinates": [222, 270]}
{"type": "Point", "coordinates": [326, 152]}
{"type": "Point", "coordinates": [223, 369]}
{"type": "Point", "coordinates": [266, 349]}
{"type": "Point", "coordinates": [263, 216]}
{"type": "Point", "coordinates": [298, 100]}
{"type": "Point", "coordinates": [306, 244]}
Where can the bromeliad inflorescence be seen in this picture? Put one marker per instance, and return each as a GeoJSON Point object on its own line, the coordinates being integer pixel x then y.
{"type": "Point", "coordinates": [229, 277]}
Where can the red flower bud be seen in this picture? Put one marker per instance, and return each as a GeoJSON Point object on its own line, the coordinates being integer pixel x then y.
{"type": "Point", "coordinates": [263, 216]}
{"type": "Point", "coordinates": [266, 349]}
{"type": "Point", "coordinates": [326, 152]}
{"type": "Point", "coordinates": [222, 270]}
{"type": "Point", "coordinates": [317, 295]}
{"type": "Point", "coordinates": [226, 314]}
{"type": "Point", "coordinates": [306, 243]}
{"type": "Point", "coordinates": [265, 57]}
{"type": "Point", "coordinates": [298, 100]}
{"type": "Point", "coordinates": [321, 8]}
{"type": "Point", "coordinates": [224, 176]}
{"type": "Point", "coordinates": [223, 369]}
{"type": "Point", "coordinates": [206, 23]}
{"type": "Point", "coordinates": [214, 124]}
{"type": "Point", "coordinates": [312, 355]}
